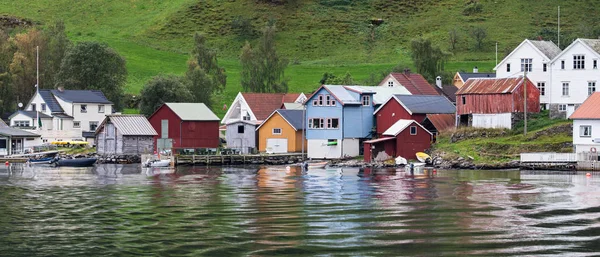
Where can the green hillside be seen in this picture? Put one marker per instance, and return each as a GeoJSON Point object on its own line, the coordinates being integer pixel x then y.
{"type": "Point", "coordinates": [316, 35]}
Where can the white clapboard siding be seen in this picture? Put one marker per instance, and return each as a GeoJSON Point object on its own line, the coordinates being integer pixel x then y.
{"type": "Point", "coordinates": [500, 120]}
{"type": "Point", "coordinates": [548, 157]}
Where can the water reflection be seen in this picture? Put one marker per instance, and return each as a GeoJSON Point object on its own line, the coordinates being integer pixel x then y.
{"type": "Point", "coordinates": [223, 211]}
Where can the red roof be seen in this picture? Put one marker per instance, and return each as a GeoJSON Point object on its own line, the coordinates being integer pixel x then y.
{"type": "Point", "coordinates": [263, 104]}
{"type": "Point", "coordinates": [590, 109]}
{"type": "Point", "coordinates": [415, 83]}
{"type": "Point", "coordinates": [442, 121]}
{"type": "Point", "coordinates": [490, 86]}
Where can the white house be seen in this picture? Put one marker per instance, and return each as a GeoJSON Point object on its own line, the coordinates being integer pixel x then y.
{"type": "Point", "coordinates": [63, 114]}
{"type": "Point", "coordinates": [575, 75]}
{"type": "Point", "coordinates": [586, 125]}
{"type": "Point", "coordinates": [535, 57]}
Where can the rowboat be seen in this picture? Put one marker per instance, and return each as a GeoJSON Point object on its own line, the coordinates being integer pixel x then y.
{"type": "Point", "coordinates": [423, 157]}
{"type": "Point", "coordinates": [78, 162]}
{"type": "Point", "coordinates": [157, 163]}
{"type": "Point", "coordinates": [45, 160]}
{"type": "Point", "coordinates": [315, 165]}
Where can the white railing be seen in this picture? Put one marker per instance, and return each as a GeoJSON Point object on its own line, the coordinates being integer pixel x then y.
{"type": "Point", "coordinates": [548, 157]}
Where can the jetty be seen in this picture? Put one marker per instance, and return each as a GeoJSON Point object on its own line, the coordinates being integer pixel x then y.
{"type": "Point", "coordinates": [586, 161]}
{"type": "Point", "coordinates": [230, 159]}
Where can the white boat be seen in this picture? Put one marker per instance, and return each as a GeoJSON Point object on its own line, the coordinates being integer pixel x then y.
{"type": "Point", "coordinates": [157, 163]}
{"type": "Point", "coordinates": [316, 165]}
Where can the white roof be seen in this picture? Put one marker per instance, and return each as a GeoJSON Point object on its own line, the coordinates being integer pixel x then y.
{"type": "Point", "coordinates": [293, 106]}
{"type": "Point", "coordinates": [342, 94]}
{"type": "Point", "coordinates": [193, 111]}
{"type": "Point", "coordinates": [401, 125]}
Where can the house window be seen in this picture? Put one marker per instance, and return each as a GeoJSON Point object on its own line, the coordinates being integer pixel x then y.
{"type": "Point", "coordinates": [591, 87]}
{"type": "Point", "coordinates": [562, 64]}
{"type": "Point", "coordinates": [332, 101]}
{"type": "Point", "coordinates": [390, 83]}
{"type": "Point", "coordinates": [578, 62]}
{"type": "Point", "coordinates": [595, 64]}
{"type": "Point", "coordinates": [43, 107]}
{"type": "Point", "coordinates": [315, 123]}
{"type": "Point", "coordinates": [100, 108]}
{"type": "Point", "coordinates": [366, 100]}
{"type": "Point", "coordinates": [542, 87]}
{"type": "Point", "coordinates": [413, 130]}
{"type": "Point", "coordinates": [276, 131]}
{"type": "Point", "coordinates": [320, 100]}
{"type": "Point", "coordinates": [83, 108]}
{"type": "Point", "coordinates": [22, 123]}
{"type": "Point", "coordinates": [241, 129]}
{"type": "Point", "coordinates": [526, 64]}
{"type": "Point", "coordinates": [327, 100]}
{"type": "Point", "coordinates": [562, 107]}
{"type": "Point", "coordinates": [464, 100]}
{"type": "Point", "coordinates": [76, 124]}
{"type": "Point", "coordinates": [93, 125]}
{"type": "Point", "coordinates": [508, 67]}
{"type": "Point", "coordinates": [333, 123]}
{"type": "Point", "coordinates": [545, 67]}
{"type": "Point", "coordinates": [585, 131]}
{"type": "Point", "coordinates": [33, 107]}
{"type": "Point", "coordinates": [565, 88]}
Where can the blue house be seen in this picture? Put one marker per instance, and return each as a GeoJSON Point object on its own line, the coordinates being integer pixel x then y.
{"type": "Point", "coordinates": [339, 118]}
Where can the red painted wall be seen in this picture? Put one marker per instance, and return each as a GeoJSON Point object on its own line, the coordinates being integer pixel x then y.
{"type": "Point", "coordinates": [194, 134]}
{"type": "Point", "coordinates": [408, 145]}
{"type": "Point", "coordinates": [500, 103]}
{"type": "Point", "coordinates": [390, 113]}
{"type": "Point", "coordinates": [388, 146]}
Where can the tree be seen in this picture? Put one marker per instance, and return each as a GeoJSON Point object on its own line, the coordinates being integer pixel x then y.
{"type": "Point", "coordinates": [57, 46]}
{"type": "Point", "coordinates": [163, 89]}
{"type": "Point", "coordinates": [262, 69]}
{"type": "Point", "coordinates": [23, 67]}
{"type": "Point", "coordinates": [428, 60]}
{"type": "Point", "coordinates": [332, 79]}
{"type": "Point", "coordinates": [92, 65]}
{"type": "Point", "coordinates": [453, 38]}
{"type": "Point", "coordinates": [204, 76]}
{"type": "Point", "coordinates": [479, 34]}
{"type": "Point", "coordinates": [7, 99]}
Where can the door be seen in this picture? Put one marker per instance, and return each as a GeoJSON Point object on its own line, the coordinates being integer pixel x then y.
{"type": "Point", "coordinates": [277, 145]}
{"type": "Point", "coordinates": [570, 110]}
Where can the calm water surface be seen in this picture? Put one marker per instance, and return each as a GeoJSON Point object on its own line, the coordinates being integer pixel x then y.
{"type": "Point", "coordinates": [116, 210]}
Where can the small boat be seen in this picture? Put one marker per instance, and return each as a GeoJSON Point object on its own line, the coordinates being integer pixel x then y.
{"type": "Point", "coordinates": [45, 160]}
{"type": "Point", "coordinates": [78, 162]}
{"type": "Point", "coordinates": [400, 160]}
{"type": "Point", "coordinates": [157, 163]}
{"type": "Point", "coordinates": [316, 165]}
{"type": "Point", "coordinates": [423, 157]}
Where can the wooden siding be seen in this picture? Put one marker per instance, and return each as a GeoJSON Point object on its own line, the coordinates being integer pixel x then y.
{"type": "Point", "coordinates": [186, 134]}
{"type": "Point", "coordinates": [499, 103]}
{"type": "Point", "coordinates": [241, 141]}
{"type": "Point", "coordinates": [111, 141]}
{"type": "Point", "coordinates": [392, 112]}
{"type": "Point", "coordinates": [408, 145]}
{"type": "Point", "coordinates": [293, 137]}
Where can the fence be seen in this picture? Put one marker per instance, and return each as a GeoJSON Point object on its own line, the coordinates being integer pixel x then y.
{"type": "Point", "coordinates": [562, 161]}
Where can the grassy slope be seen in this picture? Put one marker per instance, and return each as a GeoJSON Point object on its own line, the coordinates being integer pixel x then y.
{"type": "Point", "coordinates": [154, 35]}
{"type": "Point", "coordinates": [508, 147]}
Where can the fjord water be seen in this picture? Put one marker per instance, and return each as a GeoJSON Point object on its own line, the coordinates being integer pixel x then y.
{"type": "Point", "coordinates": [124, 210]}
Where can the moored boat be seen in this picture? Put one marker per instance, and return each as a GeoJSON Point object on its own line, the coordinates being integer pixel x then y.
{"type": "Point", "coordinates": [423, 157]}
{"type": "Point", "coordinates": [45, 160]}
{"type": "Point", "coordinates": [78, 162]}
{"type": "Point", "coordinates": [157, 163]}
{"type": "Point", "coordinates": [316, 165]}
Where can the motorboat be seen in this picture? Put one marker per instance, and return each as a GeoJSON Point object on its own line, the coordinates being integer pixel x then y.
{"type": "Point", "coordinates": [78, 162]}
{"type": "Point", "coordinates": [315, 165]}
{"type": "Point", "coordinates": [44, 160]}
{"type": "Point", "coordinates": [157, 163]}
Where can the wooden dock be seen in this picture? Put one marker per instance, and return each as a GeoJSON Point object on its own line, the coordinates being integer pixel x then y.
{"type": "Point", "coordinates": [560, 161]}
{"type": "Point", "coordinates": [287, 158]}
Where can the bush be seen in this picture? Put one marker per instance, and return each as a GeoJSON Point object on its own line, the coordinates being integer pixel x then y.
{"type": "Point", "coordinates": [472, 7]}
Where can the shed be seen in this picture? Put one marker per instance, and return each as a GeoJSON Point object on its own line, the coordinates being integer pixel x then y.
{"type": "Point", "coordinates": [405, 138]}
{"type": "Point", "coordinates": [282, 132]}
{"type": "Point", "coordinates": [241, 135]}
{"type": "Point", "coordinates": [125, 134]}
{"type": "Point", "coordinates": [186, 125]}
{"type": "Point", "coordinates": [495, 102]}
{"type": "Point", "coordinates": [15, 141]}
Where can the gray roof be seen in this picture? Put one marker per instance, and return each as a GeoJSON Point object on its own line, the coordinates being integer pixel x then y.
{"type": "Point", "coordinates": [428, 104]}
{"type": "Point", "coordinates": [32, 114]}
{"type": "Point", "coordinates": [381, 94]}
{"type": "Point", "coordinates": [130, 125]}
{"type": "Point", "coordinates": [341, 94]}
{"type": "Point", "coordinates": [51, 102]}
{"type": "Point", "coordinates": [592, 43]}
{"type": "Point", "coordinates": [14, 132]}
{"type": "Point", "coordinates": [81, 96]}
{"type": "Point", "coordinates": [468, 75]}
{"type": "Point", "coordinates": [62, 115]}
{"type": "Point", "coordinates": [294, 117]}
{"type": "Point", "coordinates": [193, 111]}
{"type": "Point", "coordinates": [546, 47]}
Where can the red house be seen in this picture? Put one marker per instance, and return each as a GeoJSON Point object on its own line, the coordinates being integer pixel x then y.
{"type": "Point", "coordinates": [410, 107]}
{"type": "Point", "coordinates": [185, 125]}
{"type": "Point", "coordinates": [495, 103]}
{"type": "Point", "coordinates": [405, 138]}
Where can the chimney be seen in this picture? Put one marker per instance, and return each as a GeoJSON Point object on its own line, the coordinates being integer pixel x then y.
{"type": "Point", "coordinates": [61, 89]}
{"type": "Point", "coordinates": [475, 70]}
{"type": "Point", "coordinates": [438, 81]}
{"type": "Point", "coordinates": [407, 71]}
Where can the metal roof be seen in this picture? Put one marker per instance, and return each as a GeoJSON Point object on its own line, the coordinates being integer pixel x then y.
{"type": "Point", "coordinates": [32, 114]}
{"type": "Point", "coordinates": [129, 125]}
{"type": "Point", "coordinates": [548, 48]}
{"type": "Point", "coordinates": [401, 125]}
{"type": "Point", "coordinates": [426, 104]}
{"type": "Point", "coordinates": [490, 86]}
{"type": "Point", "coordinates": [341, 94]}
{"type": "Point", "coordinates": [466, 75]}
{"type": "Point", "coordinates": [294, 117]}
{"type": "Point", "coordinates": [382, 93]}
{"type": "Point", "coordinates": [51, 102]}
{"type": "Point", "coordinates": [378, 140]}
{"type": "Point", "coordinates": [442, 121]}
{"type": "Point", "coordinates": [415, 83]}
{"type": "Point", "coordinates": [62, 115]}
{"type": "Point", "coordinates": [589, 110]}
{"type": "Point", "coordinates": [14, 132]}
{"type": "Point", "coordinates": [193, 111]}
{"type": "Point", "coordinates": [81, 96]}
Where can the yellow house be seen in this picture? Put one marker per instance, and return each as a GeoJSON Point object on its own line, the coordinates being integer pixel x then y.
{"type": "Point", "coordinates": [282, 132]}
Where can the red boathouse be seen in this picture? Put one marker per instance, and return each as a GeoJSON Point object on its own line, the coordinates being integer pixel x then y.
{"type": "Point", "coordinates": [405, 138]}
{"type": "Point", "coordinates": [186, 125]}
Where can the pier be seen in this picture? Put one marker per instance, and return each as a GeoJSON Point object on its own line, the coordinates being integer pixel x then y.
{"type": "Point", "coordinates": [231, 159]}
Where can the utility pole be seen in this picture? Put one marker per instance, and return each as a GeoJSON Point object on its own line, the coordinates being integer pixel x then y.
{"type": "Point", "coordinates": [525, 102]}
{"type": "Point", "coordinates": [559, 26]}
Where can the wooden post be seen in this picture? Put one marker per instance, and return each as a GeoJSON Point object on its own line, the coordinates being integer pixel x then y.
{"type": "Point", "coordinates": [525, 104]}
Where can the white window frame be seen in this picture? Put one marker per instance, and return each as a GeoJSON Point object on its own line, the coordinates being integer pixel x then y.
{"type": "Point", "coordinates": [101, 108]}
{"type": "Point", "coordinates": [565, 89]}
{"type": "Point", "coordinates": [366, 100]}
{"type": "Point", "coordinates": [22, 123]}
{"type": "Point", "coordinates": [275, 131]}
{"type": "Point", "coordinates": [526, 64]}
{"type": "Point", "coordinates": [390, 83]}
{"type": "Point", "coordinates": [579, 62]}
{"type": "Point", "coordinates": [591, 87]}
{"type": "Point", "coordinates": [76, 124]}
{"type": "Point", "coordinates": [93, 123]}
{"type": "Point", "coordinates": [33, 107]}
{"type": "Point", "coordinates": [542, 87]}
{"type": "Point", "coordinates": [585, 131]}
{"type": "Point", "coordinates": [327, 100]}
{"type": "Point", "coordinates": [562, 107]}
{"type": "Point", "coordinates": [43, 107]}
{"type": "Point", "coordinates": [411, 130]}
{"type": "Point", "coordinates": [83, 108]}
{"type": "Point", "coordinates": [330, 123]}
{"type": "Point", "coordinates": [311, 123]}
{"type": "Point", "coordinates": [320, 98]}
